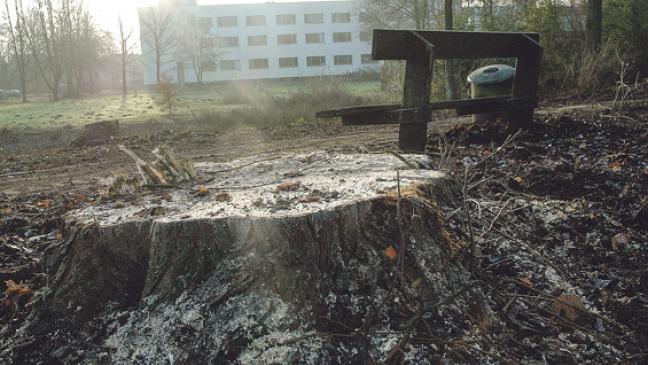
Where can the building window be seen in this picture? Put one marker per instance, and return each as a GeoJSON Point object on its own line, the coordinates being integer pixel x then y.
{"type": "Point", "coordinates": [285, 62]}
{"type": "Point", "coordinates": [366, 59]}
{"type": "Point", "coordinates": [206, 42]}
{"type": "Point", "coordinates": [209, 66]}
{"type": "Point", "coordinates": [204, 22]}
{"type": "Point", "coordinates": [257, 40]}
{"type": "Point", "coordinates": [230, 65]}
{"type": "Point", "coordinates": [227, 21]}
{"type": "Point", "coordinates": [314, 37]}
{"type": "Point", "coordinates": [251, 20]}
{"type": "Point", "coordinates": [346, 59]}
{"type": "Point", "coordinates": [314, 61]}
{"type": "Point", "coordinates": [286, 19]}
{"type": "Point", "coordinates": [287, 39]}
{"type": "Point", "coordinates": [314, 18]}
{"type": "Point", "coordinates": [258, 63]}
{"type": "Point", "coordinates": [226, 42]}
{"type": "Point", "coordinates": [365, 36]}
{"type": "Point", "coordinates": [342, 37]}
{"type": "Point", "coordinates": [341, 18]}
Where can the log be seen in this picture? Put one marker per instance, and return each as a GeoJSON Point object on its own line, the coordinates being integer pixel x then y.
{"type": "Point", "coordinates": [96, 134]}
{"type": "Point", "coordinates": [309, 275]}
{"type": "Point", "coordinates": [150, 175]}
{"type": "Point", "coordinates": [165, 170]}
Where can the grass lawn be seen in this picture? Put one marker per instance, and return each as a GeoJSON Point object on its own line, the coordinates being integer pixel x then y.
{"type": "Point", "coordinates": [144, 106]}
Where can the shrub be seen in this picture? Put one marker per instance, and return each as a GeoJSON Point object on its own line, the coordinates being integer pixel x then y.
{"type": "Point", "coordinates": [167, 92]}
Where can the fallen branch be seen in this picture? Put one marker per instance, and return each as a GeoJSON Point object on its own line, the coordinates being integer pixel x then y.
{"type": "Point", "coordinates": [149, 174]}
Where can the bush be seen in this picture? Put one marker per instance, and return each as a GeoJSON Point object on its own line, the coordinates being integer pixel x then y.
{"type": "Point", "coordinates": [592, 72]}
{"type": "Point", "coordinates": [167, 92]}
{"type": "Point", "coordinates": [261, 109]}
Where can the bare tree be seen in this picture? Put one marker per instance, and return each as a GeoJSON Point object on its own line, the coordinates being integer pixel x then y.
{"type": "Point", "coordinates": [418, 14]}
{"type": "Point", "coordinates": [125, 50]}
{"type": "Point", "coordinates": [199, 46]}
{"type": "Point", "coordinates": [18, 44]}
{"type": "Point", "coordinates": [158, 35]}
{"type": "Point", "coordinates": [45, 41]}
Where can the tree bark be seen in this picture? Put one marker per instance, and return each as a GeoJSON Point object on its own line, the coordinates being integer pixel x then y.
{"type": "Point", "coordinates": [594, 24]}
{"type": "Point", "coordinates": [452, 92]}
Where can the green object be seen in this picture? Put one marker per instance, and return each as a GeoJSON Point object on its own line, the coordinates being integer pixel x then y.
{"type": "Point", "coordinates": [491, 80]}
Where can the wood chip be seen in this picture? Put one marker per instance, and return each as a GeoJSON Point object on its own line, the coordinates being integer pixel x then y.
{"type": "Point", "coordinates": [289, 185]}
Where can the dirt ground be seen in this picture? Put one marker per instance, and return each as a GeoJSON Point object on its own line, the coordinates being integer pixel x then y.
{"type": "Point", "coordinates": [60, 169]}
{"type": "Point", "coordinates": [556, 217]}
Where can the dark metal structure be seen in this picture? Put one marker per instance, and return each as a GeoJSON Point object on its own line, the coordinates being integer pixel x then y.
{"type": "Point", "coordinates": [419, 49]}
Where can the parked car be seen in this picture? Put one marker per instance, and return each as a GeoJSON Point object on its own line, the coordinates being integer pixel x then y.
{"type": "Point", "coordinates": [9, 94]}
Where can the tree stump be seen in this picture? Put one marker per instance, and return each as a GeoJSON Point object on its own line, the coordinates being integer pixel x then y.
{"type": "Point", "coordinates": [298, 259]}
{"type": "Point", "coordinates": [99, 133]}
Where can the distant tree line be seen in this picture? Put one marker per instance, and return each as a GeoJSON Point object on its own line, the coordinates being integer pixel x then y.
{"type": "Point", "coordinates": [171, 37]}
{"type": "Point", "coordinates": [588, 43]}
{"type": "Point", "coordinates": [51, 45]}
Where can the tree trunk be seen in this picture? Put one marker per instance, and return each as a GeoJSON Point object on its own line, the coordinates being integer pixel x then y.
{"type": "Point", "coordinates": [23, 84]}
{"type": "Point", "coordinates": [123, 69]}
{"type": "Point", "coordinates": [70, 84]}
{"type": "Point", "coordinates": [452, 92]}
{"type": "Point", "coordinates": [594, 24]}
{"type": "Point", "coordinates": [157, 69]}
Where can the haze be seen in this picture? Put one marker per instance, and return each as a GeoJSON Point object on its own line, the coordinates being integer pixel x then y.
{"type": "Point", "coordinates": [107, 12]}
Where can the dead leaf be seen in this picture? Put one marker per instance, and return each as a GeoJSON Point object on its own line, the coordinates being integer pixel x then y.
{"type": "Point", "coordinates": [615, 165]}
{"type": "Point", "coordinates": [203, 191]}
{"type": "Point", "coordinates": [58, 236]}
{"type": "Point", "coordinates": [167, 196]}
{"type": "Point", "coordinates": [567, 306]}
{"type": "Point", "coordinates": [526, 281]}
{"type": "Point", "coordinates": [5, 211]}
{"type": "Point", "coordinates": [223, 197]}
{"type": "Point", "coordinates": [17, 298]}
{"type": "Point", "coordinates": [519, 179]}
{"type": "Point", "coordinates": [14, 289]}
{"type": "Point", "coordinates": [289, 185]}
{"type": "Point", "coordinates": [45, 203]}
{"type": "Point", "coordinates": [391, 252]}
{"type": "Point", "coordinates": [618, 240]}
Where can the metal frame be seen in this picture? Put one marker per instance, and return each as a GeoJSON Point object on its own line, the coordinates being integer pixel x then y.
{"type": "Point", "coordinates": [419, 49]}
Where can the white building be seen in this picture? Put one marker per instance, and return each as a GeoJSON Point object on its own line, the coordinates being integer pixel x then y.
{"type": "Point", "coordinates": [263, 41]}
